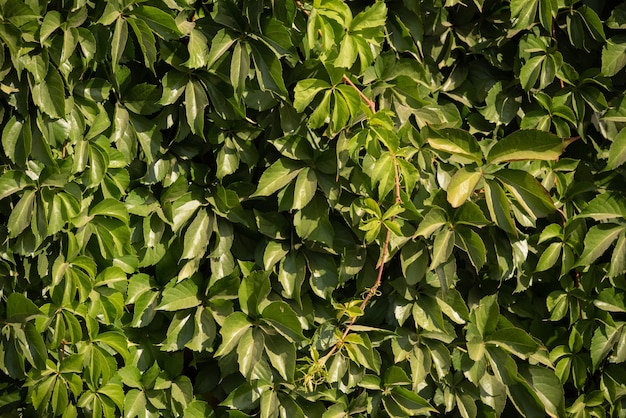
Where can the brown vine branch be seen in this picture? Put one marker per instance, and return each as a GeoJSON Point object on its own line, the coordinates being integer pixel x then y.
{"type": "Point", "coordinates": [379, 278]}
{"type": "Point", "coordinates": [366, 99]}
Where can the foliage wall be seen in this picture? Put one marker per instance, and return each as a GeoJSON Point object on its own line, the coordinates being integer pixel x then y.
{"type": "Point", "coordinates": [312, 208]}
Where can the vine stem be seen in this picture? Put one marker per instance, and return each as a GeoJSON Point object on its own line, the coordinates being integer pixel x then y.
{"type": "Point", "coordinates": [379, 278]}
{"type": "Point", "coordinates": [383, 255]}
{"type": "Point", "coordinates": [366, 99]}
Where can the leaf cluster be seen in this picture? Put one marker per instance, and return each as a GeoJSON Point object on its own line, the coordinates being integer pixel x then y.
{"type": "Point", "coordinates": [312, 208]}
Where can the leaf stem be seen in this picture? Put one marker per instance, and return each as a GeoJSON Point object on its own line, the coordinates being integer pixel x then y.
{"type": "Point", "coordinates": [379, 278]}
{"type": "Point", "coordinates": [366, 99]}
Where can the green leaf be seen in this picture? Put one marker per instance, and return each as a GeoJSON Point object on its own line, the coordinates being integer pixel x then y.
{"type": "Point", "coordinates": [312, 223]}
{"type": "Point", "coordinates": [383, 174]}
{"type": "Point", "coordinates": [547, 387]}
{"type": "Point", "coordinates": [617, 20]}
{"type": "Point", "coordinates": [603, 341]}
{"type": "Point", "coordinates": [158, 20]}
{"type": "Point", "coordinates": [410, 403]}
{"type": "Point", "coordinates": [292, 274]}
{"type": "Point", "coordinates": [198, 409]}
{"type": "Point", "coordinates": [274, 252]}
{"type": "Point", "coordinates": [20, 309]}
{"type": "Point", "coordinates": [269, 71]}
{"type": "Point", "coordinates": [513, 340]}
{"type": "Point", "coordinates": [617, 151]}
{"type": "Point", "coordinates": [462, 185]}
{"type": "Point", "coordinates": [526, 145]}
{"type": "Point", "coordinates": [442, 247]}
{"type": "Point", "coordinates": [134, 403]}
{"type": "Point", "coordinates": [598, 239]}
{"type": "Point", "coordinates": [282, 318]}
{"type": "Point", "coordinates": [486, 315]}
{"type": "Point", "coordinates": [198, 47]}
{"type": "Point", "coordinates": [324, 274]}
{"type": "Point", "coordinates": [499, 208]}
{"type": "Point", "coordinates": [461, 144]}
{"type": "Point", "coordinates": [197, 235]}
{"type": "Point", "coordinates": [120, 37]}
{"type": "Point", "coordinates": [234, 326]}
{"type": "Point", "coordinates": [501, 106]}
{"type": "Point", "coordinates": [525, 12]}
{"type": "Point", "coordinates": [112, 208]}
{"type": "Point", "coordinates": [13, 142]}
{"type": "Point", "coordinates": [470, 242]}
{"type": "Point", "coordinates": [605, 206]}
{"type": "Point", "coordinates": [253, 290]}
{"type": "Point", "coordinates": [434, 219]}
{"type": "Point", "coordinates": [528, 192]}
{"type": "Point", "coordinates": [530, 72]}
{"type": "Point", "coordinates": [204, 332]}
{"type": "Point", "coordinates": [195, 101]}
{"type": "Point", "coordinates": [12, 182]}
{"type": "Point", "coordinates": [373, 17]}
{"type": "Point", "coordinates": [549, 256]}
{"type": "Point", "coordinates": [282, 355]}
{"type": "Point", "coordinates": [277, 176]}
{"type": "Point", "coordinates": [115, 340]}
{"type": "Point", "coordinates": [614, 55]}
{"type": "Point", "coordinates": [182, 295]}
{"type": "Point", "coordinates": [22, 214]}
{"type": "Point", "coordinates": [618, 260]}
{"type": "Point", "coordinates": [250, 350]}
{"type": "Point", "coordinates": [359, 348]}
{"type": "Point", "coordinates": [414, 261]}
{"type": "Point", "coordinates": [146, 41]}
{"type": "Point", "coordinates": [49, 95]}
{"type": "Point", "coordinates": [305, 187]}
{"type": "Point", "coordinates": [321, 115]}
{"type": "Point", "coordinates": [610, 300]}
{"type": "Point", "coordinates": [96, 89]}
{"type": "Point", "coordinates": [221, 42]}
{"type": "Point", "coordinates": [306, 90]}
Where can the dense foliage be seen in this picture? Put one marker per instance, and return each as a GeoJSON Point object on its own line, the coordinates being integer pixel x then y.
{"type": "Point", "coordinates": [312, 208]}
